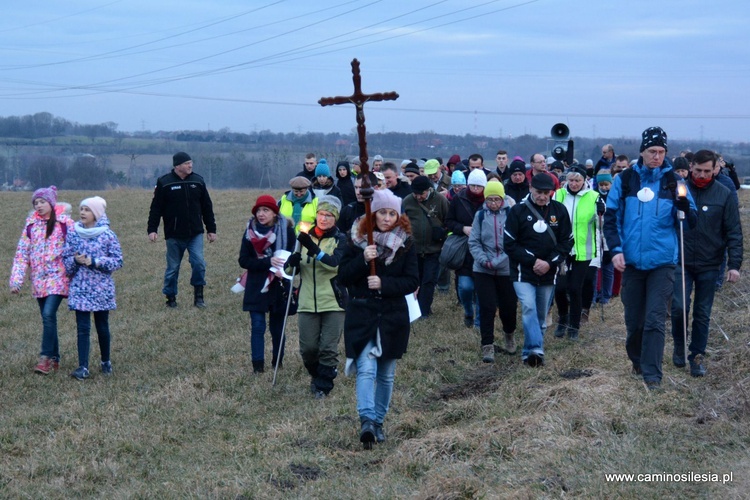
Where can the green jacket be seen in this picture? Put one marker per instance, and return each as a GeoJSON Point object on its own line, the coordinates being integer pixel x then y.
{"type": "Point", "coordinates": [319, 290]}
{"type": "Point", "coordinates": [424, 217]}
{"type": "Point", "coordinates": [582, 210]}
{"type": "Point", "coordinates": [309, 210]}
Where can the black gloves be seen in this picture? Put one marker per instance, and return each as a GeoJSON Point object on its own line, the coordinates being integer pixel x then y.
{"type": "Point", "coordinates": [606, 257]}
{"type": "Point", "coordinates": [600, 206]}
{"type": "Point", "coordinates": [294, 260]}
{"type": "Point", "coordinates": [307, 242]}
{"type": "Point", "coordinates": [682, 204]}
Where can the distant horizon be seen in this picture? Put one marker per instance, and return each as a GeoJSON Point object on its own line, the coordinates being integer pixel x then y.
{"type": "Point", "coordinates": [492, 68]}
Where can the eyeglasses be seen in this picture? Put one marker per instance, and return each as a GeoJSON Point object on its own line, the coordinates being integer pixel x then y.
{"type": "Point", "coordinates": [326, 216]}
{"type": "Point", "coordinates": [493, 201]}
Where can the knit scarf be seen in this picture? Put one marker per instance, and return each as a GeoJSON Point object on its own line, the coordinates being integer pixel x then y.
{"type": "Point", "coordinates": [387, 243]}
{"type": "Point", "coordinates": [298, 204]}
{"type": "Point", "coordinates": [263, 238]}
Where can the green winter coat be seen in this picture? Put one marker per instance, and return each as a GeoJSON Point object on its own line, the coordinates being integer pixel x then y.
{"type": "Point", "coordinates": [320, 291]}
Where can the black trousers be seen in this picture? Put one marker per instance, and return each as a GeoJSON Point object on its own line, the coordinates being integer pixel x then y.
{"type": "Point", "coordinates": [569, 290]}
{"type": "Point", "coordinates": [495, 293]}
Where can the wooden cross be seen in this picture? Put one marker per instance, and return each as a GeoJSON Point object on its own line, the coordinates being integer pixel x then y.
{"type": "Point", "coordinates": [358, 98]}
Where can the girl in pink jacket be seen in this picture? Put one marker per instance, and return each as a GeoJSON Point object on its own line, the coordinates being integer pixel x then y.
{"type": "Point", "coordinates": [40, 248]}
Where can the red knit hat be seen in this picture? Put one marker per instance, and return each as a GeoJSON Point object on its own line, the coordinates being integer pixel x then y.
{"type": "Point", "coordinates": [267, 201]}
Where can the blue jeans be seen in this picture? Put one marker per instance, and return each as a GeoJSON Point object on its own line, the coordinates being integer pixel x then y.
{"type": "Point", "coordinates": [604, 292]}
{"type": "Point", "coordinates": [468, 298]}
{"type": "Point", "coordinates": [374, 385]}
{"type": "Point", "coordinates": [175, 250]}
{"type": "Point", "coordinates": [705, 288]}
{"type": "Point", "coordinates": [48, 308]}
{"type": "Point", "coordinates": [83, 322]}
{"type": "Point", "coordinates": [258, 333]}
{"type": "Point", "coordinates": [429, 267]}
{"type": "Point", "coordinates": [534, 306]}
{"type": "Point", "coordinates": [644, 295]}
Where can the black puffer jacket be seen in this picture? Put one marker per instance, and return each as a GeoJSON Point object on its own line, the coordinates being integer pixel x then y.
{"type": "Point", "coordinates": [184, 204]}
{"type": "Point", "coordinates": [369, 310]}
{"type": "Point", "coordinates": [718, 228]}
{"type": "Point", "coordinates": [461, 213]}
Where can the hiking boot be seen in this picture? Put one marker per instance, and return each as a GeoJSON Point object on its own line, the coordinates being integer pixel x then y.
{"type": "Point", "coordinates": [572, 333]}
{"type": "Point", "coordinates": [171, 301]}
{"type": "Point", "coordinates": [258, 366]}
{"type": "Point", "coordinates": [198, 297]}
{"type": "Point", "coordinates": [488, 353]}
{"type": "Point", "coordinates": [510, 343]}
{"type": "Point", "coordinates": [107, 367]}
{"type": "Point", "coordinates": [653, 385]}
{"type": "Point", "coordinates": [379, 433]}
{"type": "Point", "coordinates": [44, 366]}
{"type": "Point", "coordinates": [534, 360]}
{"type": "Point", "coordinates": [80, 373]}
{"type": "Point", "coordinates": [562, 326]}
{"type": "Point", "coordinates": [678, 356]}
{"type": "Point", "coordinates": [584, 316]}
{"type": "Point", "coordinates": [696, 366]}
{"type": "Point", "coordinates": [367, 433]}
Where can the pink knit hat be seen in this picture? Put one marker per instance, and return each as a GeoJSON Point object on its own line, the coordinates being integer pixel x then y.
{"type": "Point", "coordinates": [384, 198]}
{"type": "Point", "coordinates": [96, 204]}
{"type": "Point", "coordinates": [48, 194]}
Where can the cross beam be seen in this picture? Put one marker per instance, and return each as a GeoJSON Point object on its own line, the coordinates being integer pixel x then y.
{"type": "Point", "coordinates": [358, 98]}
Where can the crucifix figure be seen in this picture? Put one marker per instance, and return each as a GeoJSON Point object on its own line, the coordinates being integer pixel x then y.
{"type": "Point", "coordinates": [358, 98]}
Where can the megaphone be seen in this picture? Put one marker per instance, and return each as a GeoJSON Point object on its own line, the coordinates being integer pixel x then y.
{"type": "Point", "coordinates": [563, 147]}
{"type": "Point", "coordinates": [560, 132]}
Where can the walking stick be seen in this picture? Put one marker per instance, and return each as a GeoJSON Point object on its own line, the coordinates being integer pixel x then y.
{"type": "Point", "coordinates": [601, 266]}
{"type": "Point", "coordinates": [286, 316]}
{"type": "Point", "coordinates": [682, 193]}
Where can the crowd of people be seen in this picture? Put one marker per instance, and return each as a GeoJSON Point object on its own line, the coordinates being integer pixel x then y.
{"type": "Point", "coordinates": [547, 235]}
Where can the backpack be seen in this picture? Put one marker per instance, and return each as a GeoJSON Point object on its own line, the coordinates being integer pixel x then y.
{"type": "Point", "coordinates": [63, 227]}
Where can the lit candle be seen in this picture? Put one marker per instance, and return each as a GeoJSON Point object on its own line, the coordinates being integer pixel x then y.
{"type": "Point", "coordinates": [304, 227]}
{"type": "Point", "coordinates": [681, 190]}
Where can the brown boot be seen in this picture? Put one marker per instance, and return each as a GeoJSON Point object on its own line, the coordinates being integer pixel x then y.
{"type": "Point", "coordinates": [488, 353]}
{"type": "Point", "coordinates": [510, 343]}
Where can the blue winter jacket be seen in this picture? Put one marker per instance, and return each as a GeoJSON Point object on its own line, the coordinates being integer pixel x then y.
{"type": "Point", "coordinates": [646, 232]}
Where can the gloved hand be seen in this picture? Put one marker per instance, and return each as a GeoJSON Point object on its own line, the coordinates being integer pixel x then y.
{"type": "Point", "coordinates": [600, 206]}
{"type": "Point", "coordinates": [307, 242]}
{"type": "Point", "coordinates": [606, 257]}
{"type": "Point", "coordinates": [682, 204]}
{"type": "Point", "coordinates": [294, 260]}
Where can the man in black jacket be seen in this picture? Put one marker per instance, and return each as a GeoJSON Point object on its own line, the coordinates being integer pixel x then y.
{"type": "Point", "coordinates": [718, 228]}
{"type": "Point", "coordinates": [538, 237]}
{"type": "Point", "coordinates": [182, 200]}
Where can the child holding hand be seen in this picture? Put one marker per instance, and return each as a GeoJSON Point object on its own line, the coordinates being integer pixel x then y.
{"type": "Point", "coordinates": [92, 253]}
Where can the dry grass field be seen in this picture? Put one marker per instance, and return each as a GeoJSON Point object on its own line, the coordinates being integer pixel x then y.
{"type": "Point", "coordinates": [183, 416]}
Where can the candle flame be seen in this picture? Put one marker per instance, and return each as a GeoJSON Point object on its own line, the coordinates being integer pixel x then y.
{"type": "Point", "coordinates": [681, 190]}
{"type": "Point", "coordinates": [304, 227]}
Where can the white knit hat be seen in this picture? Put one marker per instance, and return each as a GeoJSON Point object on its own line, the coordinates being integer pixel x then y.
{"type": "Point", "coordinates": [477, 177]}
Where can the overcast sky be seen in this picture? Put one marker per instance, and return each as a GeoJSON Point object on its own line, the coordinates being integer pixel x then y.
{"type": "Point", "coordinates": [500, 68]}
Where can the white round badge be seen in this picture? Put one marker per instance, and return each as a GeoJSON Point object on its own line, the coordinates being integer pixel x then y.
{"type": "Point", "coordinates": [704, 208]}
{"type": "Point", "coordinates": [645, 195]}
{"type": "Point", "coordinates": [540, 226]}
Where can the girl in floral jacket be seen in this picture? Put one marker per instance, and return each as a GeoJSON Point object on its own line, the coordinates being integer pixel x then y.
{"type": "Point", "coordinates": [40, 248]}
{"type": "Point", "coordinates": [92, 253]}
